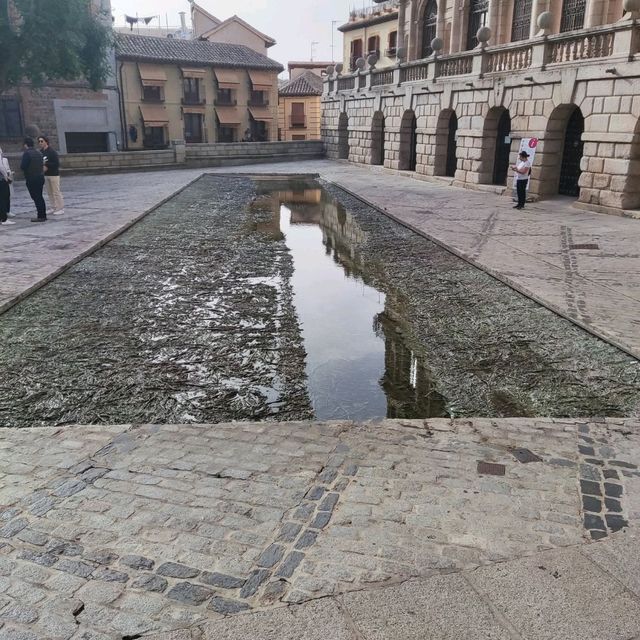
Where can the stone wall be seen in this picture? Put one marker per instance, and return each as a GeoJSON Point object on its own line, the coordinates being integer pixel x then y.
{"type": "Point", "coordinates": [180, 156]}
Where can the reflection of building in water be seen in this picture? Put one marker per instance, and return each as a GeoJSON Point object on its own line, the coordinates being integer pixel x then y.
{"type": "Point", "coordinates": [407, 382]}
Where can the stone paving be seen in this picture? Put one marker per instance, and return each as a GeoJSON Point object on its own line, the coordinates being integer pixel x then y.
{"type": "Point", "coordinates": [580, 264]}
{"type": "Point", "coordinates": [109, 533]}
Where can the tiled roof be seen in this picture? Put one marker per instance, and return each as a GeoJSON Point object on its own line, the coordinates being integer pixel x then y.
{"type": "Point", "coordinates": [196, 52]}
{"type": "Point", "coordinates": [306, 84]}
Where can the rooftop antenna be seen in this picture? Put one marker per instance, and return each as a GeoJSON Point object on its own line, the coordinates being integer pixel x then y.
{"type": "Point", "coordinates": [333, 28]}
{"type": "Point", "coordinates": [312, 45]}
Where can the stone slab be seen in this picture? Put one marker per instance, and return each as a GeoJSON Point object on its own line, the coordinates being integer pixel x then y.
{"type": "Point", "coordinates": [560, 594]}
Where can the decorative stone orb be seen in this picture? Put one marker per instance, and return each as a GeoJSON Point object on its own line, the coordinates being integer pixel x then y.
{"type": "Point", "coordinates": [330, 69]}
{"type": "Point", "coordinates": [361, 63]}
{"type": "Point", "coordinates": [401, 53]}
{"type": "Point", "coordinates": [545, 19]}
{"type": "Point", "coordinates": [631, 5]}
{"type": "Point", "coordinates": [339, 68]}
{"type": "Point", "coordinates": [372, 60]}
{"type": "Point", "coordinates": [484, 35]}
{"type": "Point", "coordinates": [437, 44]}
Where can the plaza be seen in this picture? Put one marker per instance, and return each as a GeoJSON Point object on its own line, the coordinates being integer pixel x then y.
{"type": "Point", "coordinates": [449, 527]}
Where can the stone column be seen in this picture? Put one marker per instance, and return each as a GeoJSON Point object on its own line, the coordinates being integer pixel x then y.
{"type": "Point", "coordinates": [538, 7]}
{"type": "Point", "coordinates": [595, 12]}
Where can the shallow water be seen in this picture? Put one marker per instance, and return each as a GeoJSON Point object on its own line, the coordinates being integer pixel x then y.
{"type": "Point", "coordinates": [285, 299]}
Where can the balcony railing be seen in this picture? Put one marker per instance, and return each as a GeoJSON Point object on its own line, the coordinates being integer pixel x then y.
{"type": "Point", "coordinates": [620, 41]}
{"type": "Point", "coordinates": [297, 122]}
{"type": "Point", "coordinates": [380, 9]}
{"type": "Point", "coordinates": [258, 102]}
{"type": "Point", "coordinates": [581, 47]}
{"type": "Point", "coordinates": [193, 100]}
{"type": "Point", "coordinates": [225, 102]}
{"type": "Point", "coordinates": [391, 52]}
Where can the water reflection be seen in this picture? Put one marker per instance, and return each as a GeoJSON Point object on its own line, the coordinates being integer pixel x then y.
{"type": "Point", "coordinates": [360, 360]}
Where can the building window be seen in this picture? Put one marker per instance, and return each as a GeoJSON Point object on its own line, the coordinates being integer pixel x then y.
{"type": "Point", "coordinates": [356, 52]}
{"type": "Point", "coordinates": [298, 137]}
{"type": "Point", "coordinates": [298, 120]}
{"type": "Point", "coordinates": [193, 128]}
{"type": "Point", "coordinates": [152, 94]}
{"type": "Point", "coordinates": [521, 25]}
{"type": "Point", "coordinates": [258, 99]}
{"type": "Point", "coordinates": [259, 131]}
{"type": "Point", "coordinates": [154, 138]}
{"type": "Point", "coordinates": [429, 27]}
{"type": "Point", "coordinates": [226, 98]}
{"type": "Point", "coordinates": [478, 12]}
{"type": "Point", "coordinates": [226, 134]}
{"type": "Point", "coordinates": [191, 88]}
{"type": "Point", "coordinates": [373, 46]}
{"type": "Point", "coordinates": [392, 45]}
{"type": "Point", "coordinates": [572, 15]}
{"type": "Point", "coordinates": [10, 120]}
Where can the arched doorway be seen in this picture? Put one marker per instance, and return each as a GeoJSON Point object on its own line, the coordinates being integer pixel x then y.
{"type": "Point", "coordinates": [452, 139]}
{"type": "Point", "coordinates": [446, 161]}
{"type": "Point", "coordinates": [408, 141]}
{"type": "Point", "coordinates": [377, 138]}
{"type": "Point", "coordinates": [429, 26]}
{"type": "Point", "coordinates": [496, 147]}
{"type": "Point", "coordinates": [632, 186]}
{"type": "Point", "coordinates": [503, 149]}
{"type": "Point", "coordinates": [572, 155]}
{"type": "Point", "coordinates": [343, 137]}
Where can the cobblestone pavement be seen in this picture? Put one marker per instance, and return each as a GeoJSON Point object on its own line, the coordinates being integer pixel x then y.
{"type": "Point", "coordinates": [112, 533]}
{"type": "Point", "coordinates": [583, 265]}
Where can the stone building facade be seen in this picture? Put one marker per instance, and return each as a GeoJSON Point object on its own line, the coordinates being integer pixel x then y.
{"type": "Point", "coordinates": [566, 83]}
{"type": "Point", "coordinates": [299, 105]}
{"type": "Point", "coordinates": [194, 90]}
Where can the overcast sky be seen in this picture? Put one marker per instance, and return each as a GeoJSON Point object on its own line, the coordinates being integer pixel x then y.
{"type": "Point", "coordinates": [294, 24]}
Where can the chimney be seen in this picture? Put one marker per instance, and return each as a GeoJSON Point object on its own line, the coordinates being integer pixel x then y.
{"type": "Point", "coordinates": [183, 20]}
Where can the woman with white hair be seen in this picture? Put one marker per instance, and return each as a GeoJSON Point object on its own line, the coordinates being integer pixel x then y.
{"type": "Point", "coordinates": [5, 191]}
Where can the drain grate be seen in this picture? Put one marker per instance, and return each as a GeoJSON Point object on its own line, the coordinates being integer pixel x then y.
{"type": "Point", "coordinates": [525, 456]}
{"type": "Point", "coordinates": [585, 247]}
{"type": "Point", "coordinates": [491, 469]}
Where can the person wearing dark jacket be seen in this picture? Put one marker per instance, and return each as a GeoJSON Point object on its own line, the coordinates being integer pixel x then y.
{"type": "Point", "coordinates": [52, 175]}
{"type": "Point", "coordinates": [32, 166]}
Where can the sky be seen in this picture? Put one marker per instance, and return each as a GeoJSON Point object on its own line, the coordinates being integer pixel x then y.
{"type": "Point", "coordinates": [294, 24]}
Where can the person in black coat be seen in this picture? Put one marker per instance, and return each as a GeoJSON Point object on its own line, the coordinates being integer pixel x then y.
{"type": "Point", "coordinates": [32, 166]}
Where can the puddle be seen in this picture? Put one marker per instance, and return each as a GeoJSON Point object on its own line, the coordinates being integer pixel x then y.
{"type": "Point", "coordinates": [256, 299]}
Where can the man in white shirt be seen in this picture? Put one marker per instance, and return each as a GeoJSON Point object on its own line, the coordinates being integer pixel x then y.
{"type": "Point", "coordinates": [522, 170]}
{"type": "Point", "coordinates": [5, 192]}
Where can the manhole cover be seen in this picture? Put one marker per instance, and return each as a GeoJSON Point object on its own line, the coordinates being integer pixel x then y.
{"type": "Point", "coordinates": [491, 469]}
{"type": "Point", "coordinates": [524, 456]}
{"type": "Point", "coordinates": [585, 246]}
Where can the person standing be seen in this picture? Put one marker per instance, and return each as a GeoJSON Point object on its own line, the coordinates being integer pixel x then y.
{"type": "Point", "coordinates": [523, 171]}
{"type": "Point", "coordinates": [32, 166]}
{"type": "Point", "coordinates": [5, 191]}
{"type": "Point", "coordinates": [51, 161]}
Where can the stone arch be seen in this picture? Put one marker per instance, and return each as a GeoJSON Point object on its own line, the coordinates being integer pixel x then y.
{"type": "Point", "coordinates": [560, 152]}
{"type": "Point", "coordinates": [631, 193]}
{"type": "Point", "coordinates": [408, 153]}
{"type": "Point", "coordinates": [377, 138]}
{"type": "Point", "coordinates": [446, 160]}
{"type": "Point", "coordinates": [343, 136]}
{"type": "Point", "coordinates": [496, 147]}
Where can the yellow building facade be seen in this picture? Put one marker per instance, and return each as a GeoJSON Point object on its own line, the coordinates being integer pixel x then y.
{"type": "Point", "coordinates": [189, 90]}
{"type": "Point", "coordinates": [299, 107]}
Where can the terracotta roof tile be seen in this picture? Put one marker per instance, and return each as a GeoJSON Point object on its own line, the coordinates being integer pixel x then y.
{"type": "Point", "coordinates": [197, 52]}
{"type": "Point", "coordinates": [306, 84]}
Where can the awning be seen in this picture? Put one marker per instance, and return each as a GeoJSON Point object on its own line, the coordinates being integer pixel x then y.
{"type": "Point", "coordinates": [195, 108]}
{"type": "Point", "coordinates": [261, 80]}
{"type": "Point", "coordinates": [152, 75]}
{"type": "Point", "coordinates": [228, 115]}
{"type": "Point", "coordinates": [261, 113]}
{"type": "Point", "coordinates": [227, 79]}
{"type": "Point", "coordinates": [193, 73]}
{"type": "Point", "coordinates": [154, 115]}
